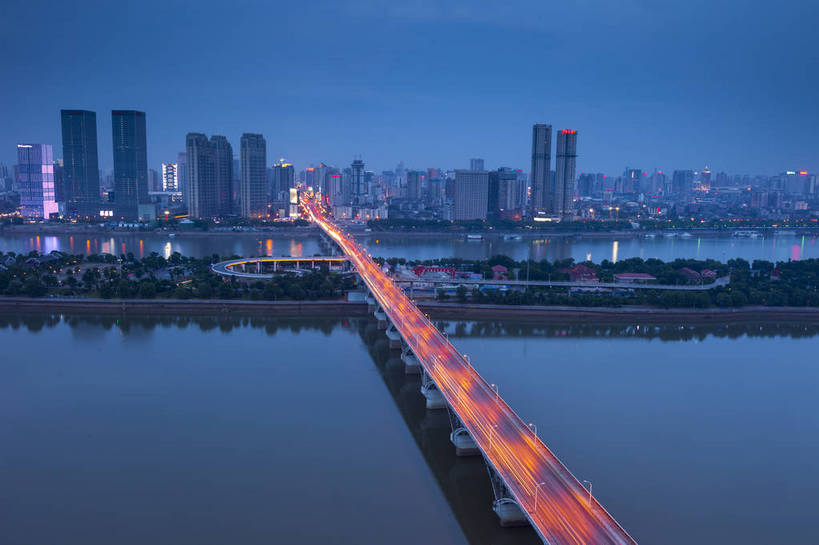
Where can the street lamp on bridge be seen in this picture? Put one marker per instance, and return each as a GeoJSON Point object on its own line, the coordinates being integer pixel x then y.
{"type": "Point", "coordinates": [590, 492]}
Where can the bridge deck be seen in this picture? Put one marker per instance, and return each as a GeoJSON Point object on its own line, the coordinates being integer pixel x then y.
{"type": "Point", "coordinates": [555, 502]}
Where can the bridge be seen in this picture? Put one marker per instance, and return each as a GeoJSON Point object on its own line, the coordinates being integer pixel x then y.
{"type": "Point", "coordinates": [529, 482]}
{"type": "Point", "coordinates": [262, 268]}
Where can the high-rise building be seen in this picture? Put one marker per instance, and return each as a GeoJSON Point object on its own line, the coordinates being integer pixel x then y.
{"type": "Point", "coordinates": [202, 193]}
{"type": "Point", "coordinates": [633, 180]}
{"type": "Point", "coordinates": [585, 185]}
{"type": "Point", "coordinates": [415, 183]}
{"type": "Point", "coordinates": [476, 164]}
{"type": "Point", "coordinates": [565, 165]}
{"type": "Point", "coordinates": [357, 185]}
{"type": "Point", "coordinates": [170, 177]}
{"type": "Point", "coordinates": [130, 162]}
{"type": "Point", "coordinates": [471, 194]}
{"type": "Point", "coordinates": [253, 188]}
{"type": "Point", "coordinates": [182, 177]}
{"type": "Point", "coordinates": [81, 173]}
{"type": "Point", "coordinates": [505, 199]}
{"type": "Point", "coordinates": [682, 182]}
{"type": "Point", "coordinates": [541, 166]}
{"type": "Point", "coordinates": [321, 179]}
{"type": "Point", "coordinates": [35, 181]}
{"type": "Point", "coordinates": [284, 178]}
{"type": "Point", "coordinates": [154, 183]}
{"type": "Point", "coordinates": [223, 174]}
{"type": "Point", "coordinates": [59, 181]}
{"type": "Point", "coordinates": [335, 190]}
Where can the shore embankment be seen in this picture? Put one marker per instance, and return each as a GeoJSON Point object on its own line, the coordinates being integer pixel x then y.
{"type": "Point", "coordinates": [436, 309]}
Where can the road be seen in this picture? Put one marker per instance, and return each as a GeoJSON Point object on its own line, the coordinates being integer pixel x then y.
{"type": "Point", "coordinates": [721, 281]}
{"type": "Point", "coordinates": [556, 503]}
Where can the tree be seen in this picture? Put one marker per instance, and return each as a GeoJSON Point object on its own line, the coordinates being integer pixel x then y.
{"type": "Point", "coordinates": [147, 289]}
{"type": "Point", "coordinates": [460, 293]}
{"type": "Point", "coordinates": [34, 288]}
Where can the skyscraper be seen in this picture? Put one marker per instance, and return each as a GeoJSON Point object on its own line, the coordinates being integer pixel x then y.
{"type": "Point", "coordinates": [505, 194]}
{"type": "Point", "coordinates": [130, 162]}
{"type": "Point", "coordinates": [358, 187]}
{"type": "Point", "coordinates": [81, 172]}
{"type": "Point", "coordinates": [634, 179]}
{"type": "Point", "coordinates": [563, 201]}
{"type": "Point", "coordinates": [170, 177]}
{"type": "Point", "coordinates": [471, 194]}
{"type": "Point", "coordinates": [415, 183]}
{"type": "Point", "coordinates": [541, 166]}
{"type": "Point", "coordinates": [284, 177]}
{"type": "Point", "coordinates": [223, 174]}
{"type": "Point", "coordinates": [35, 180]}
{"type": "Point", "coordinates": [182, 177]}
{"type": "Point", "coordinates": [253, 188]}
{"type": "Point", "coordinates": [682, 182]}
{"type": "Point", "coordinates": [476, 164]}
{"type": "Point", "coordinates": [202, 200]}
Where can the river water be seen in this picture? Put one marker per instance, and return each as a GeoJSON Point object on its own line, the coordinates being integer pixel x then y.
{"type": "Point", "coordinates": [220, 430]}
{"type": "Point", "coordinates": [613, 248]}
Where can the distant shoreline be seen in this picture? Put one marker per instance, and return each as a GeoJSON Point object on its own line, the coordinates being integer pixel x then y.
{"type": "Point", "coordinates": [308, 231]}
{"type": "Point", "coordinates": [438, 310]}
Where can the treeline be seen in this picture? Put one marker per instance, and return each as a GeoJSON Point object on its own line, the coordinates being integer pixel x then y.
{"type": "Point", "coordinates": [153, 276]}
{"type": "Point", "coordinates": [785, 283]}
{"type": "Point", "coordinates": [545, 270]}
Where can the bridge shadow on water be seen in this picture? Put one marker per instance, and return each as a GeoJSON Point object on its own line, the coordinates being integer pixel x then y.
{"type": "Point", "coordinates": [464, 481]}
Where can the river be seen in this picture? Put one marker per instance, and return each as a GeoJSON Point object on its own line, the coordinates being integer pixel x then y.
{"type": "Point", "coordinates": [613, 248]}
{"type": "Point", "coordinates": [256, 430]}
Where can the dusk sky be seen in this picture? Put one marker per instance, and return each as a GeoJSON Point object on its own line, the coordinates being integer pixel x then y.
{"type": "Point", "coordinates": [648, 84]}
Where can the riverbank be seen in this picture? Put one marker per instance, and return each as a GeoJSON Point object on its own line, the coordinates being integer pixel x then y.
{"type": "Point", "coordinates": [61, 229]}
{"type": "Point", "coordinates": [437, 310]}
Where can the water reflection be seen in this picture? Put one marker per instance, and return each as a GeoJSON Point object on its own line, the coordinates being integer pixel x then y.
{"type": "Point", "coordinates": [479, 328]}
{"type": "Point", "coordinates": [463, 481]}
{"type": "Point", "coordinates": [580, 248]}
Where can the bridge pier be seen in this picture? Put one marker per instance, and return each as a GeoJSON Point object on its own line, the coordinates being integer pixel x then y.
{"type": "Point", "coordinates": [435, 399]}
{"type": "Point", "coordinates": [465, 445]}
{"type": "Point", "coordinates": [509, 512]}
{"type": "Point", "coordinates": [393, 335]}
{"type": "Point", "coordinates": [411, 364]}
{"type": "Point", "coordinates": [381, 316]}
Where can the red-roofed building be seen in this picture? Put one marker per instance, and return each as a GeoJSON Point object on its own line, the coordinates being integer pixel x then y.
{"type": "Point", "coordinates": [690, 274]}
{"type": "Point", "coordinates": [581, 273]}
{"type": "Point", "coordinates": [708, 273]}
{"type": "Point", "coordinates": [633, 278]}
{"type": "Point", "coordinates": [499, 272]}
{"type": "Point", "coordinates": [421, 270]}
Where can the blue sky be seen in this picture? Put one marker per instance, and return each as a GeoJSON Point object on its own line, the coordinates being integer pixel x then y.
{"type": "Point", "coordinates": [649, 84]}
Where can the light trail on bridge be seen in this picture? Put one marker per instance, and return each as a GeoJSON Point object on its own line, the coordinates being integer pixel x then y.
{"type": "Point", "coordinates": [559, 507]}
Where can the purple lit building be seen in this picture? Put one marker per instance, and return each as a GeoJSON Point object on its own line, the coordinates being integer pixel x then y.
{"type": "Point", "coordinates": [35, 181]}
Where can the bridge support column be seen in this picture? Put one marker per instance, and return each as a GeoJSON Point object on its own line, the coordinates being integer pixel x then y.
{"type": "Point", "coordinates": [460, 437]}
{"type": "Point", "coordinates": [258, 267]}
{"type": "Point", "coordinates": [411, 364]}
{"type": "Point", "coordinates": [394, 336]}
{"type": "Point", "coordinates": [381, 316]}
{"type": "Point", "coordinates": [435, 399]}
{"type": "Point", "coordinates": [372, 304]}
{"type": "Point", "coordinates": [505, 506]}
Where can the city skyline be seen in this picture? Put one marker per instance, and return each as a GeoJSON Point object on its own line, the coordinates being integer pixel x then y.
{"type": "Point", "coordinates": [490, 164]}
{"type": "Point", "coordinates": [735, 94]}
